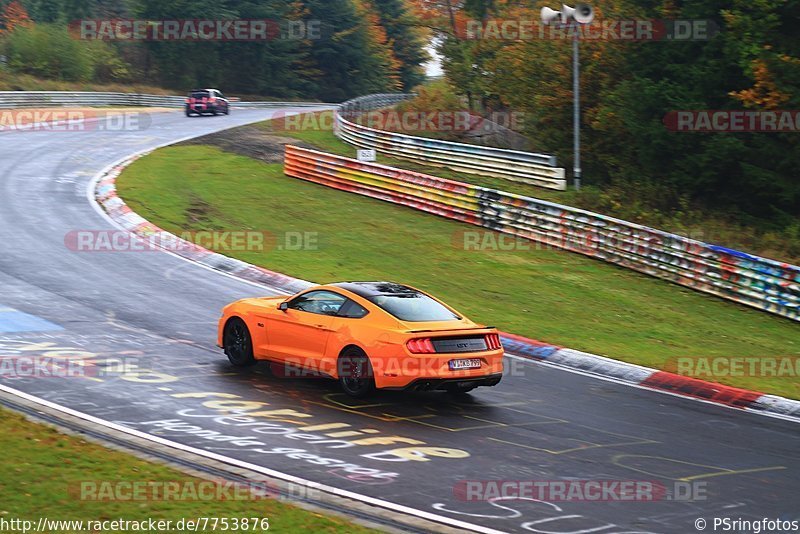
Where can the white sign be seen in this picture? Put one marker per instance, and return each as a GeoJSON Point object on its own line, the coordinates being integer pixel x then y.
{"type": "Point", "coordinates": [366, 155]}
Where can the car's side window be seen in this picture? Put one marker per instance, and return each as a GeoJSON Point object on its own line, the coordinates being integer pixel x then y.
{"type": "Point", "coordinates": [320, 302]}
{"type": "Point", "coordinates": [352, 310]}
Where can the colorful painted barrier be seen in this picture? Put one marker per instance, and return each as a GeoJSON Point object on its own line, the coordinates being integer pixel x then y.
{"type": "Point", "coordinates": [766, 284]}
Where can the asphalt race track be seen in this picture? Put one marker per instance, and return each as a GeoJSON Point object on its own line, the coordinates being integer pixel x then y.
{"type": "Point", "coordinates": [143, 325]}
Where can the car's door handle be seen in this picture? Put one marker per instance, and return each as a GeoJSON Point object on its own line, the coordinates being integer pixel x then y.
{"type": "Point", "coordinates": [323, 327]}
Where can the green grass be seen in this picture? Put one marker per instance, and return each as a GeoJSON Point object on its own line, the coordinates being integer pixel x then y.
{"type": "Point", "coordinates": [555, 296]}
{"type": "Point", "coordinates": [44, 469]}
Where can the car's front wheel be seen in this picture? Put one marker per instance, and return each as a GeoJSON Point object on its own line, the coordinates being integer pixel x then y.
{"type": "Point", "coordinates": [355, 373]}
{"type": "Point", "coordinates": [237, 343]}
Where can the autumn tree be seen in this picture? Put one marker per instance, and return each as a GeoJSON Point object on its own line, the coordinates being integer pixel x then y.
{"type": "Point", "coordinates": [627, 89]}
{"type": "Point", "coordinates": [13, 16]}
{"type": "Point", "coordinates": [380, 49]}
{"type": "Point", "coordinates": [406, 39]}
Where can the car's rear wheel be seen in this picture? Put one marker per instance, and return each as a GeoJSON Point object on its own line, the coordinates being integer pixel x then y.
{"type": "Point", "coordinates": [237, 343]}
{"type": "Point", "coordinates": [188, 113]}
{"type": "Point", "coordinates": [355, 373]}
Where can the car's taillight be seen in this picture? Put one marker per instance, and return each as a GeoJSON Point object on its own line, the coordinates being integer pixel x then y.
{"type": "Point", "coordinates": [493, 342]}
{"type": "Point", "coordinates": [190, 100]}
{"type": "Point", "coordinates": [421, 346]}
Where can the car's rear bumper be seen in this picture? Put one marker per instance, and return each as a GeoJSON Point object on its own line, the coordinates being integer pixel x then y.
{"type": "Point", "coordinates": [206, 109]}
{"type": "Point", "coordinates": [431, 384]}
{"type": "Point", "coordinates": [404, 372]}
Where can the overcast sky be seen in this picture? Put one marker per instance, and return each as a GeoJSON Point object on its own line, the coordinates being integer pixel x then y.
{"type": "Point", "coordinates": [434, 66]}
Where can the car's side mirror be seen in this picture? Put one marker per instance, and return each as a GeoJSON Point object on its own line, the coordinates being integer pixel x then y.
{"type": "Point", "coordinates": [283, 306]}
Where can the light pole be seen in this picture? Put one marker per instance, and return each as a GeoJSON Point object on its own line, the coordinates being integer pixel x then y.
{"type": "Point", "coordinates": [576, 115]}
{"type": "Point", "coordinates": [581, 14]}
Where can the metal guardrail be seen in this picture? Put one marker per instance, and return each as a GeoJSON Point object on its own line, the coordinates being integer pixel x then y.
{"type": "Point", "coordinates": [23, 99]}
{"type": "Point", "coordinates": [759, 282]}
{"type": "Point", "coordinates": [258, 105]}
{"type": "Point", "coordinates": [373, 101]}
{"type": "Point", "coordinates": [513, 165]}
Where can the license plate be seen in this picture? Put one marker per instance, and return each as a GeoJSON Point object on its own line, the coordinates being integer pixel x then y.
{"type": "Point", "coordinates": [472, 363]}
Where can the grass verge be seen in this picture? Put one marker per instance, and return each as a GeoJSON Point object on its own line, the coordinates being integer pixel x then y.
{"type": "Point", "coordinates": [44, 479]}
{"type": "Point", "coordinates": [551, 295]}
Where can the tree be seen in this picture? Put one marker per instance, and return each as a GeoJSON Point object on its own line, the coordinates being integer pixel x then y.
{"type": "Point", "coordinates": [342, 53]}
{"type": "Point", "coordinates": [406, 39]}
{"type": "Point", "coordinates": [14, 16]}
{"type": "Point", "coordinates": [48, 51]}
{"type": "Point", "coordinates": [72, 10]}
{"type": "Point", "coordinates": [47, 11]}
{"type": "Point", "coordinates": [380, 47]}
{"type": "Point", "coordinates": [357, 49]}
{"type": "Point", "coordinates": [627, 89]}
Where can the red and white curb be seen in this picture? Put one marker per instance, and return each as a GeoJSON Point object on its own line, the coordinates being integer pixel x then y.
{"type": "Point", "coordinates": [102, 191]}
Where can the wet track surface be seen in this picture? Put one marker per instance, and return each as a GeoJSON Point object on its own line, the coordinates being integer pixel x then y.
{"type": "Point", "coordinates": [142, 327]}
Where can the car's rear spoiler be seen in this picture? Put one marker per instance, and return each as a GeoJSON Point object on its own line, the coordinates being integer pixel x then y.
{"type": "Point", "coordinates": [450, 329]}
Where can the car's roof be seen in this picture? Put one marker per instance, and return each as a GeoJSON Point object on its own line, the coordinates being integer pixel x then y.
{"type": "Point", "coordinates": [374, 289]}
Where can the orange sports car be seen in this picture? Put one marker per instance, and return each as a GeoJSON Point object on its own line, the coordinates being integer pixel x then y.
{"type": "Point", "coordinates": [367, 335]}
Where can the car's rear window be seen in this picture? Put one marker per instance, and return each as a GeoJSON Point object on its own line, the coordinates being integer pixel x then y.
{"type": "Point", "coordinates": [414, 307]}
{"type": "Point", "coordinates": [199, 94]}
